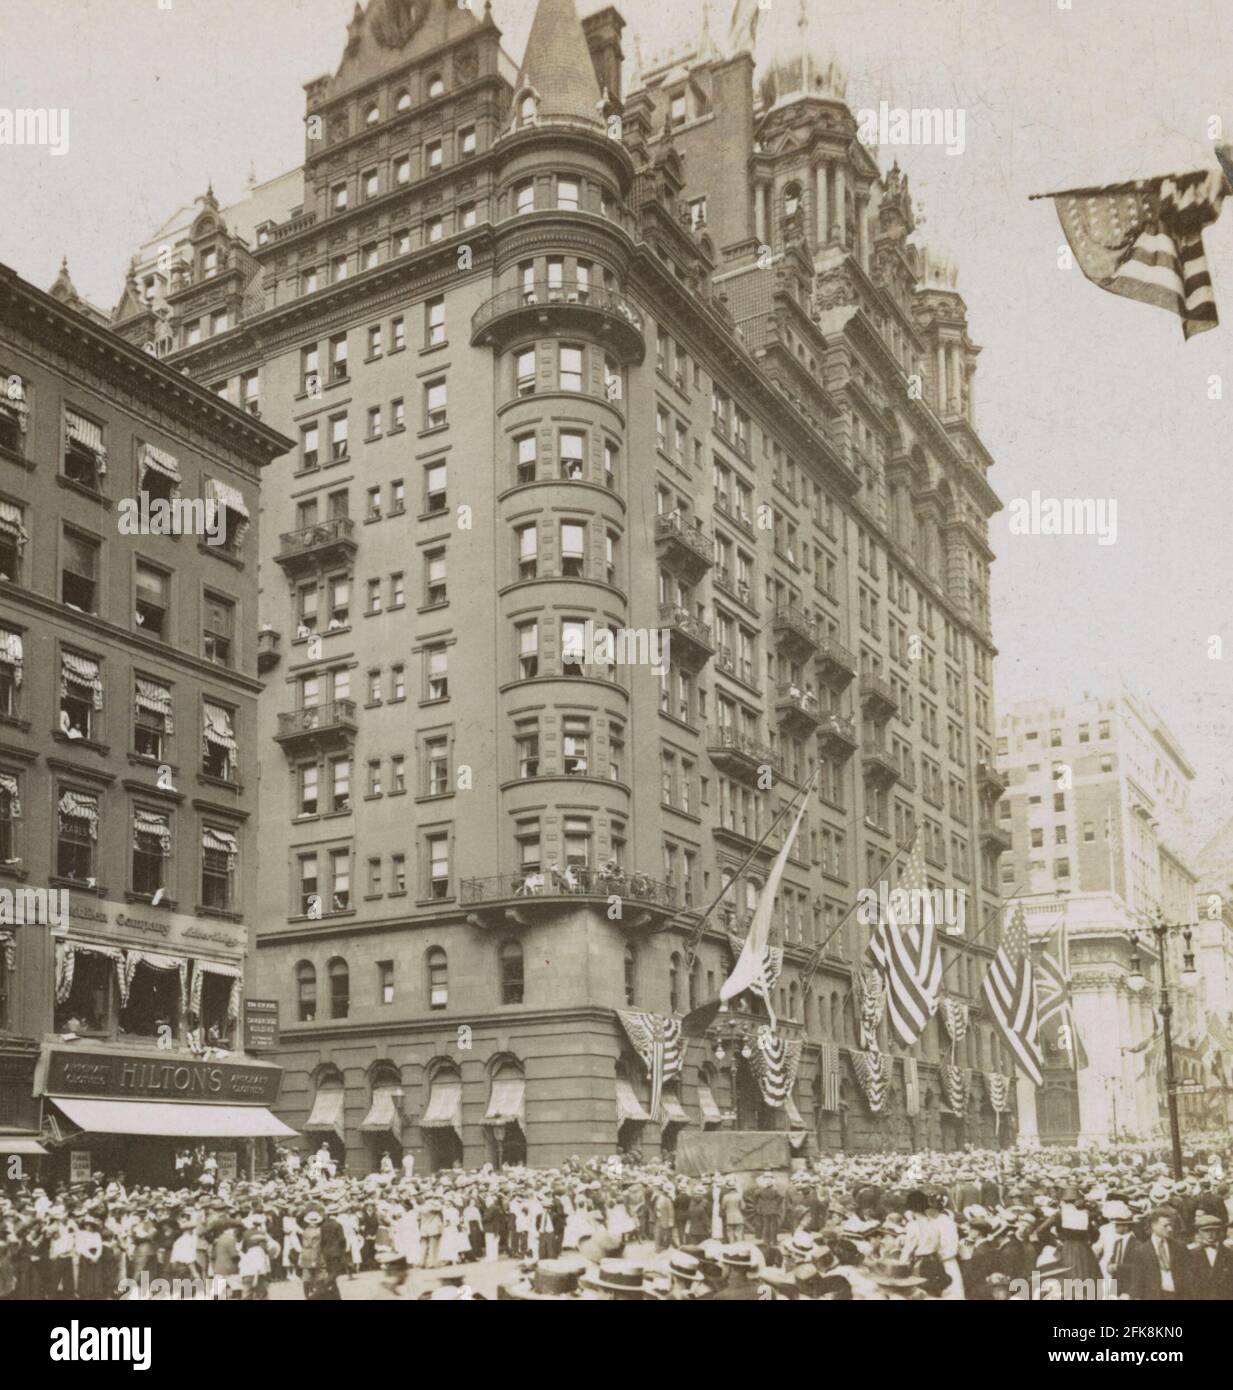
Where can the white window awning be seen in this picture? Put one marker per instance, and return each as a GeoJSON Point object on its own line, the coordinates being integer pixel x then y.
{"type": "Point", "coordinates": [444, 1105]}
{"type": "Point", "coordinates": [226, 496]}
{"type": "Point", "coordinates": [793, 1114]}
{"type": "Point", "coordinates": [172, 1119]}
{"type": "Point", "coordinates": [82, 672]}
{"type": "Point", "coordinates": [507, 1103]}
{"type": "Point", "coordinates": [628, 1106]}
{"type": "Point", "coordinates": [671, 1111]}
{"type": "Point", "coordinates": [160, 461]}
{"type": "Point", "coordinates": [157, 699]}
{"type": "Point", "coordinates": [711, 1113]}
{"type": "Point", "coordinates": [12, 521]}
{"type": "Point", "coordinates": [217, 728]}
{"type": "Point", "coordinates": [385, 1113]}
{"type": "Point", "coordinates": [12, 651]}
{"type": "Point", "coordinates": [88, 435]}
{"type": "Point", "coordinates": [328, 1113]}
{"type": "Point", "coordinates": [24, 1144]}
{"type": "Point", "coordinates": [79, 806]}
{"type": "Point", "coordinates": [8, 785]}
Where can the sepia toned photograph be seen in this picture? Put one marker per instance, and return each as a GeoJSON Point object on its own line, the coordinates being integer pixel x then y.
{"type": "Point", "coordinates": [612, 676]}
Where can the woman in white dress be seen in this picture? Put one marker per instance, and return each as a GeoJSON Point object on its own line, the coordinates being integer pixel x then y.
{"type": "Point", "coordinates": [355, 1242]}
{"type": "Point", "coordinates": [931, 1232]}
{"type": "Point", "coordinates": [454, 1241]}
{"type": "Point", "coordinates": [290, 1253]}
{"type": "Point", "coordinates": [620, 1223]}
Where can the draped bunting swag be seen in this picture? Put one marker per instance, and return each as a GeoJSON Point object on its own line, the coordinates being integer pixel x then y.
{"type": "Point", "coordinates": [66, 958]}
{"type": "Point", "coordinates": [775, 1063]}
{"type": "Point", "coordinates": [873, 1071]}
{"type": "Point", "coordinates": [201, 969]}
{"type": "Point", "coordinates": [79, 807]}
{"type": "Point", "coordinates": [657, 1040]}
{"type": "Point", "coordinates": [955, 1017]}
{"type": "Point", "coordinates": [954, 1087]}
{"type": "Point", "coordinates": [871, 1005]}
{"type": "Point", "coordinates": [8, 951]}
{"type": "Point", "coordinates": [8, 785]}
{"type": "Point", "coordinates": [156, 962]}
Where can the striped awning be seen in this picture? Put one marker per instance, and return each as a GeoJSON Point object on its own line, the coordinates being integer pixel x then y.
{"type": "Point", "coordinates": [155, 698]}
{"type": "Point", "coordinates": [385, 1113]}
{"type": "Point", "coordinates": [11, 521]}
{"type": "Point", "coordinates": [82, 672]}
{"type": "Point", "coordinates": [711, 1113]}
{"type": "Point", "coordinates": [628, 1106]}
{"type": "Point", "coordinates": [88, 435]}
{"type": "Point", "coordinates": [13, 398]}
{"type": "Point", "coordinates": [221, 840]}
{"type": "Point", "coordinates": [507, 1103]}
{"type": "Point", "coordinates": [152, 824]}
{"type": "Point", "coordinates": [8, 785]}
{"type": "Point", "coordinates": [791, 1111]}
{"type": "Point", "coordinates": [79, 806]}
{"type": "Point", "coordinates": [217, 728]}
{"type": "Point", "coordinates": [226, 496]}
{"type": "Point", "coordinates": [328, 1113]}
{"type": "Point", "coordinates": [12, 651]}
{"type": "Point", "coordinates": [671, 1111]}
{"type": "Point", "coordinates": [202, 968]}
{"type": "Point", "coordinates": [160, 461]}
{"type": "Point", "coordinates": [444, 1105]}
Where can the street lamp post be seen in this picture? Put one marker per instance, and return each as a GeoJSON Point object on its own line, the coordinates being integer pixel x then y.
{"type": "Point", "coordinates": [1161, 929]}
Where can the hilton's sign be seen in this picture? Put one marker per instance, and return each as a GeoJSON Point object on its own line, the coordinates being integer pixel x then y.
{"type": "Point", "coordinates": [148, 1078]}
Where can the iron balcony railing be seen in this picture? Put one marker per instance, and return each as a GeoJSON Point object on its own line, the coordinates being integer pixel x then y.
{"type": "Point", "coordinates": [334, 531]}
{"type": "Point", "coordinates": [547, 292]}
{"type": "Point", "coordinates": [337, 714]}
{"type": "Point", "coordinates": [676, 528]}
{"type": "Point", "coordinates": [574, 881]}
{"type": "Point", "coordinates": [681, 620]}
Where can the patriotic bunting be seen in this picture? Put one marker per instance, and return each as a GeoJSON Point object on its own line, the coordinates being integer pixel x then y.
{"type": "Point", "coordinates": [828, 1070]}
{"type": "Point", "coordinates": [955, 1016]}
{"type": "Point", "coordinates": [955, 1089]}
{"type": "Point", "coordinates": [997, 1087]}
{"type": "Point", "coordinates": [911, 1086]}
{"type": "Point", "coordinates": [775, 1062]}
{"type": "Point", "coordinates": [657, 1039]}
{"type": "Point", "coordinates": [870, 1004]}
{"type": "Point", "coordinates": [873, 1071]}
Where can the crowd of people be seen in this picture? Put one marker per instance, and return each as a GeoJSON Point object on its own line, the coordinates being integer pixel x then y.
{"type": "Point", "coordinates": [976, 1225]}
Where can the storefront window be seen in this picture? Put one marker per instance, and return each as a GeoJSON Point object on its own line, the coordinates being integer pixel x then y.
{"type": "Point", "coordinates": [153, 1003]}
{"type": "Point", "coordinates": [87, 1009]}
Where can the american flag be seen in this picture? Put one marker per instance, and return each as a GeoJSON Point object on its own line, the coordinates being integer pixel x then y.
{"type": "Point", "coordinates": [828, 1066]}
{"type": "Point", "coordinates": [1010, 993]}
{"type": "Point", "coordinates": [1053, 999]}
{"type": "Point", "coordinates": [909, 956]}
{"type": "Point", "coordinates": [1144, 240]}
{"type": "Point", "coordinates": [911, 1086]}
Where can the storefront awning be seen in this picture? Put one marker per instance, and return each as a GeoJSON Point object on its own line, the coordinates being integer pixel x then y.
{"type": "Point", "coordinates": [507, 1102]}
{"type": "Point", "coordinates": [385, 1114]}
{"type": "Point", "coordinates": [706, 1104]}
{"type": "Point", "coordinates": [628, 1106]}
{"type": "Point", "coordinates": [24, 1144]}
{"type": "Point", "coordinates": [793, 1114]}
{"type": "Point", "coordinates": [444, 1105]}
{"type": "Point", "coordinates": [172, 1119]}
{"type": "Point", "coordinates": [327, 1114]}
{"type": "Point", "coordinates": [671, 1111]}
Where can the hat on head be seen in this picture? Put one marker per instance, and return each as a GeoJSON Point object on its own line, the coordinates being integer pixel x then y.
{"type": "Point", "coordinates": [799, 1244]}
{"type": "Point", "coordinates": [617, 1276]}
{"type": "Point", "coordinates": [740, 1256]}
{"type": "Point", "coordinates": [894, 1274]}
{"type": "Point", "coordinates": [1116, 1211]}
{"type": "Point", "coordinates": [1206, 1221]}
{"type": "Point", "coordinates": [683, 1266]}
{"type": "Point", "coordinates": [312, 1218]}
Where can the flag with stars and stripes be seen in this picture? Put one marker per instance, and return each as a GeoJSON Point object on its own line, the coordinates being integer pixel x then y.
{"type": "Point", "coordinates": [1053, 997]}
{"type": "Point", "coordinates": [908, 953]}
{"type": "Point", "coordinates": [1009, 990]}
{"type": "Point", "coordinates": [1144, 240]}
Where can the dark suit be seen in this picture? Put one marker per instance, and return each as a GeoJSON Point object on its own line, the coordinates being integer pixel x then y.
{"type": "Point", "coordinates": [1141, 1270]}
{"type": "Point", "coordinates": [1210, 1282]}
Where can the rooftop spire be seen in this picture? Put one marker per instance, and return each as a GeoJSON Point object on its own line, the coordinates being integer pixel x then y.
{"type": "Point", "coordinates": [557, 68]}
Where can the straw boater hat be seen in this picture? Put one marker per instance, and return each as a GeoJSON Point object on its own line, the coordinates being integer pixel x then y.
{"type": "Point", "coordinates": [799, 1245]}
{"type": "Point", "coordinates": [894, 1274]}
{"type": "Point", "coordinates": [552, 1280]}
{"type": "Point", "coordinates": [1116, 1211]}
{"type": "Point", "coordinates": [312, 1218]}
{"type": "Point", "coordinates": [1207, 1221]}
{"type": "Point", "coordinates": [739, 1256]}
{"type": "Point", "coordinates": [684, 1266]}
{"type": "Point", "coordinates": [616, 1276]}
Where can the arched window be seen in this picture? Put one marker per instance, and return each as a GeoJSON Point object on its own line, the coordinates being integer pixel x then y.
{"type": "Point", "coordinates": [404, 100]}
{"type": "Point", "coordinates": [372, 115]}
{"type": "Point", "coordinates": [436, 85]}
{"type": "Point", "coordinates": [438, 978]}
{"type": "Point", "coordinates": [791, 199]}
{"type": "Point", "coordinates": [793, 999]}
{"type": "Point", "coordinates": [674, 983]}
{"type": "Point", "coordinates": [340, 987]}
{"type": "Point", "coordinates": [306, 991]}
{"type": "Point", "coordinates": [528, 106]}
{"type": "Point", "coordinates": [511, 972]}
{"type": "Point", "coordinates": [631, 975]}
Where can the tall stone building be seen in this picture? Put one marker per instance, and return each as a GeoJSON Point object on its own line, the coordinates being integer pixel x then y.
{"type": "Point", "coordinates": [569, 354]}
{"type": "Point", "coordinates": [128, 738]}
{"type": "Point", "coordinates": [1097, 813]}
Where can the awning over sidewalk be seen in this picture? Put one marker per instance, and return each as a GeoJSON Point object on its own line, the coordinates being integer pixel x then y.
{"type": "Point", "coordinates": [172, 1120]}
{"type": "Point", "coordinates": [328, 1113]}
{"type": "Point", "coordinates": [671, 1111]}
{"type": "Point", "coordinates": [385, 1113]}
{"type": "Point", "coordinates": [628, 1106]}
{"type": "Point", "coordinates": [444, 1105]}
{"type": "Point", "coordinates": [706, 1104]}
{"type": "Point", "coordinates": [25, 1144]}
{"type": "Point", "coordinates": [506, 1104]}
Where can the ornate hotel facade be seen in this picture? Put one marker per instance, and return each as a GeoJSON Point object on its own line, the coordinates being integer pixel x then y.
{"type": "Point", "coordinates": [564, 353]}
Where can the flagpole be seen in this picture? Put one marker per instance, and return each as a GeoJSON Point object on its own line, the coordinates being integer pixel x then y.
{"type": "Point", "coordinates": [691, 952]}
{"type": "Point", "coordinates": [994, 913]}
{"type": "Point", "coordinates": [816, 959]}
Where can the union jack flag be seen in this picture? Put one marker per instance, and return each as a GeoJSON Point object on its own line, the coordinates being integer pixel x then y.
{"type": "Point", "coordinates": [1010, 992]}
{"type": "Point", "coordinates": [1053, 998]}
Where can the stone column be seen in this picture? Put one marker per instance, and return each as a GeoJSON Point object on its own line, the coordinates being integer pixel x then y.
{"type": "Point", "coordinates": [821, 204]}
{"type": "Point", "coordinates": [760, 211]}
{"type": "Point", "coordinates": [940, 379]}
{"type": "Point", "coordinates": [956, 394]}
{"type": "Point", "coordinates": [839, 220]}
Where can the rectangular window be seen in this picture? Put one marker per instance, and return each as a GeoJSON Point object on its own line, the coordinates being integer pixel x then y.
{"type": "Point", "coordinates": [524, 197]}
{"type": "Point", "coordinates": [573, 549]}
{"type": "Point", "coordinates": [434, 487]}
{"type": "Point", "coordinates": [438, 855]}
{"type": "Point", "coordinates": [398, 774]}
{"type": "Point", "coordinates": [398, 595]}
{"type": "Point", "coordinates": [219, 856]}
{"type": "Point", "coordinates": [77, 834]}
{"type": "Point", "coordinates": [575, 745]}
{"type": "Point", "coordinates": [374, 422]}
{"type": "Point", "coordinates": [340, 881]}
{"type": "Point", "coordinates": [528, 551]}
{"type": "Point", "coordinates": [151, 601]}
{"type": "Point", "coordinates": [402, 169]}
{"type": "Point", "coordinates": [567, 195]}
{"type": "Point", "coordinates": [466, 141]}
{"type": "Point", "coordinates": [218, 634]}
{"type": "Point", "coordinates": [528, 650]}
{"type": "Point", "coordinates": [436, 766]}
{"type": "Point", "coordinates": [374, 777]}
{"type": "Point", "coordinates": [572, 451]}
{"type": "Point", "coordinates": [398, 873]}
{"type": "Point", "coordinates": [79, 572]}
{"type": "Point", "coordinates": [338, 196]}
{"type": "Point", "coordinates": [526, 454]}
{"type": "Point", "coordinates": [570, 374]}
{"type": "Point", "coordinates": [435, 588]}
{"type": "Point", "coordinates": [338, 357]}
{"type": "Point", "coordinates": [338, 437]}
{"type": "Point", "coordinates": [526, 746]}
{"type": "Point", "coordinates": [309, 444]}
{"type": "Point", "coordinates": [466, 216]}
{"type": "Point", "coordinates": [339, 603]}
{"type": "Point", "coordinates": [434, 404]}
{"type": "Point", "coordinates": [309, 776]}
{"type": "Point", "coordinates": [573, 646]}
{"type": "Point", "coordinates": [434, 155]}
{"type": "Point", "coordinates": [385, 968]}
{"type": "Point", "coordinates": [434, 229]}
{"type": "Point", "coordinates": [372, 183]}
{"type": "Point", "coordinates": [338, 269]}
{"type": "Point", "coordinates": [434, 321]}
{"type": "Point", "coordinates": [398, 683]}
{"type": "Point", "coordinates": [436, 661]}
{"type": "Point", "coordinates": [374, 596]}
{"type": "Point", "coordinates": [524, 373]}
{"type": "Point", "coordinates": [81, 695]}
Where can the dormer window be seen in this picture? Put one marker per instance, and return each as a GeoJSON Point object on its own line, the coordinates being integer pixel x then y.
{"type": "Point", "coordinates": [678, 108]}
{"type": "Point", "coordinates": [372, 115]}
{"type": "Point", "coordinates": [528, 109]}
{"type": "Point", "coordinates": [209, 262]}
{"type": "Point", "coordinates": [435, 86]}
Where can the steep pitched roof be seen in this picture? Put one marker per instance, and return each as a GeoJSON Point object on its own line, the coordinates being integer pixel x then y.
{"type": "Point", "coordinates": [557, 65]}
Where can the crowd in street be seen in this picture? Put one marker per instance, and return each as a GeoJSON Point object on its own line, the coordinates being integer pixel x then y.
{"type": "Point", "coordinates": [974, 1225]}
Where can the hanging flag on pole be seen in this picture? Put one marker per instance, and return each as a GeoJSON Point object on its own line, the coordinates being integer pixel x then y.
{"type": "Point", "coordinates": [749, 972]}
{"type": "Point", "coordinates": [1010, 992]}
{"type": "Point", "coordinates": [1053, 997]}
{"type": "Point", "coordinates": [1144, 240]}
{"type": "Point", "coordinates": [908, 952]}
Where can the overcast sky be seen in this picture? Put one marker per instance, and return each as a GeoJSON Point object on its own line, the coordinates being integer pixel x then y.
{"type": "Point", "coordinates": [1079, 393]}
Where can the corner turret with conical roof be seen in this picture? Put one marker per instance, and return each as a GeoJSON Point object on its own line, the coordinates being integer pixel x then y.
{"type": "Point", "coordinates": [557, 81]}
